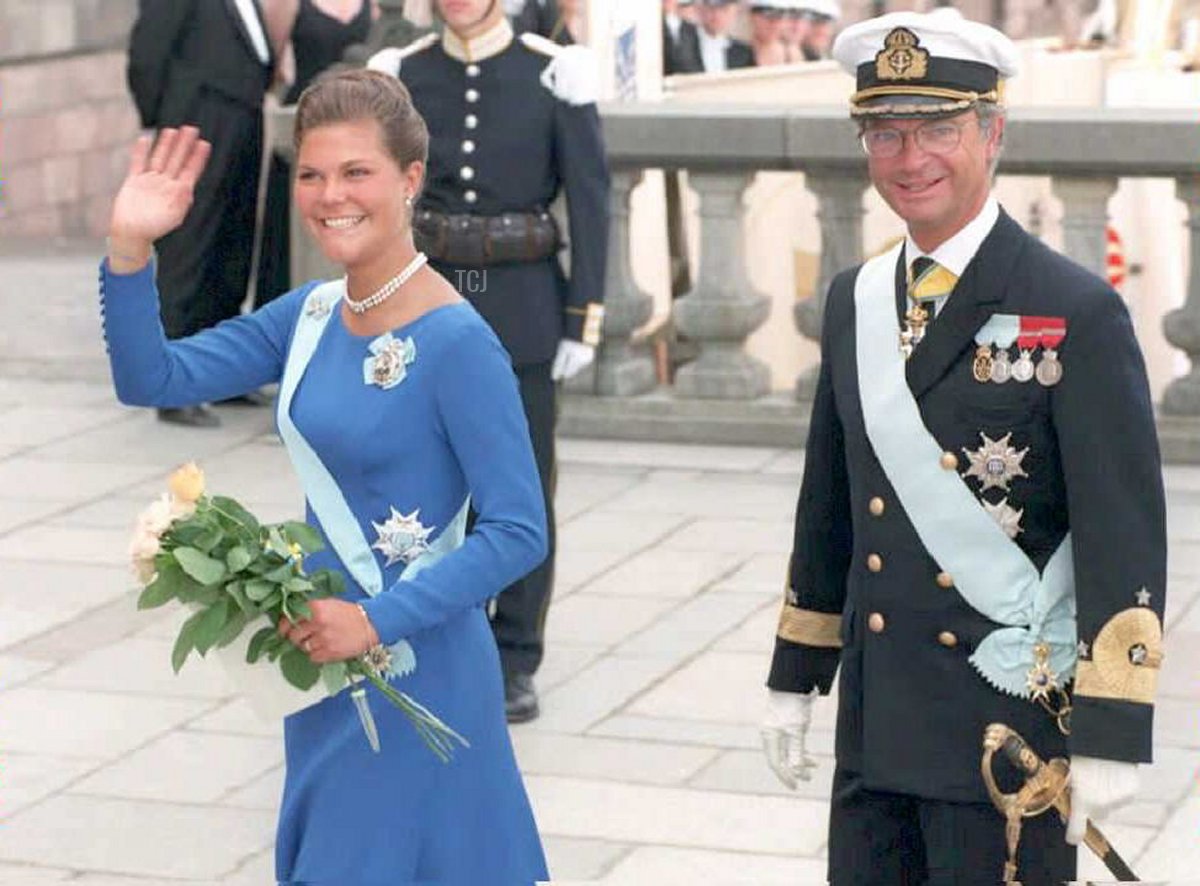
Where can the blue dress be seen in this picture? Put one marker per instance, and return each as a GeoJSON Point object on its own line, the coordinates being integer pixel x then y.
{"type": "Point", "coordinates": [453, 426]}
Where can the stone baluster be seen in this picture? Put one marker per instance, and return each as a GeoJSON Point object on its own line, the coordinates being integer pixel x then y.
{"type": "Point", "coordinates": [1182, 325]}
{"type": "Point", "coordinates": [722, 309]}
{"type": "Point", "coordinates": [840, 216]}
{"type": "Point", "coordinates": [620, 370]}
{"type": "Point", "coordinates": [1085, 216]}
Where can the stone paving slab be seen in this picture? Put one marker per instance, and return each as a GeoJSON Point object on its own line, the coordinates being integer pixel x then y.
{"type": "Point", "coordinates": [671, 866]}
{"type": "Point", "coordinates": [117, 836]}
{"type": "Point", "coordinates": [641, 814]}
{"type": "Point", "coordinates": [185, 767]}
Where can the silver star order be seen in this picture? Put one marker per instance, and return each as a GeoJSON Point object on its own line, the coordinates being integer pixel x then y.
{"type": "Point", "coordinates": [995, 463]}
{"type": "Point", "coordinates": [1143, 597]}
{"type": "Point", "coordinates": [402, 537]}
{"type": "Point", "coordinates": [1082, 649]}
{"type": "Point", "coordinates": [1008, 517]}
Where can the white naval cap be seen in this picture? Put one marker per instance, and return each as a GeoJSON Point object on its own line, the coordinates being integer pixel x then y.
{"type": "Point", "coordinates": [910, 64]}
{"type": "Point", "coordinates": [819, 8]}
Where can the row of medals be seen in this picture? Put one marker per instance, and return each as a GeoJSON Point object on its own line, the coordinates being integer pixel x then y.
{"type": "Point", "coordinates": [996, 366]}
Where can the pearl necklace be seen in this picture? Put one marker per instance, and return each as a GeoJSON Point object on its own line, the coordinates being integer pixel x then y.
{"type": "Point", "coordinates": [388, 289]}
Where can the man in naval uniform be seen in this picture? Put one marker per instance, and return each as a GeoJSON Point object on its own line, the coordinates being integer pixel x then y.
{"type": "Point", "coordinates": [512, 123]}
{"type": "Point", "coordinates": [980, 532]}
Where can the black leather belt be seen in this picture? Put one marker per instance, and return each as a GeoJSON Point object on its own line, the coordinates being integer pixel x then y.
{"type": "Point", "coordinates": [481, 240]}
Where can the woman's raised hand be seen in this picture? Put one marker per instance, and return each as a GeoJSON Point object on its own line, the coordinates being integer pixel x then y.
{"type": "Point", "coordinates": [156, 194]}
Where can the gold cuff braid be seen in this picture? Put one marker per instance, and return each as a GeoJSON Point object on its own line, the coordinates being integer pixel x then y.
{"type": "Point", "coordinates": [1126, 659]}
{"type": "Point", "coordinates": [798, 625]}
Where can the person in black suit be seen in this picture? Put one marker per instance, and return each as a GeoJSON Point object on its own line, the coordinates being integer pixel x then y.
{"type": "Point", "coordinates": [207, 63]}
{"type": "Point", "coordinates": [980, 535]}
{"type": "Point", "coordinates": [512, 123]}
{"type": "Point", "coordinates": [707, 46]}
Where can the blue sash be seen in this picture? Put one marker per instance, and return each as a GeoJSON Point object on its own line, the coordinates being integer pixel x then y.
{"type": "Point", "coordinates": [322, 491]}
{"type": "Point", "coordinates": [990, 570]}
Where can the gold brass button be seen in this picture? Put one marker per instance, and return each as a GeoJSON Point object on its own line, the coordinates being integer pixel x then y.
{"type": "Point", "coordinates": [949, 461]}
{"type": "Point", "coordinates": [875, 563]}
{"type": "Point", "coordinates": [945, 580]}
{"type": "Point", "coordinates": [876, 507]}
{"type": "Point", "coordinates": [947, 639]}
{"type": "Point", "coordinates": [875, 622]}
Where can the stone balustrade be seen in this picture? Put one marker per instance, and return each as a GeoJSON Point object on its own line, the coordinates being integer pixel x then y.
{"type": "Point", "coordinates": [723, 394]}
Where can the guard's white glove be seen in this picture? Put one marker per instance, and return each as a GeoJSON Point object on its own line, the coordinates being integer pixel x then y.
{"type": "Point", "coordinates": [572, 357]}
{"type": "Point", "coordinates": [785, 733]}
{"type": "Point", "coordinates": [1096, 787]}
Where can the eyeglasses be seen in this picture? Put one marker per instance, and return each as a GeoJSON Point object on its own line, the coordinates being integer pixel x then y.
{"type": "Point", "coordinates": [937, 137]}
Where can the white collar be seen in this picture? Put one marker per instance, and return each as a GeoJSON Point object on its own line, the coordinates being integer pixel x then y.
{"type": "Point", "coordinates": [956, 253]}
{"type": "Point", "coordinates": [721, 40]}
{"type": "Point", "coordinates": [491, 42]}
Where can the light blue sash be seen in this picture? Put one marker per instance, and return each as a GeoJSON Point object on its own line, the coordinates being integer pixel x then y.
{"type": "Point", "coordinates": [340, 525]}
{"type": "Point", "coordinates": [990, 571]}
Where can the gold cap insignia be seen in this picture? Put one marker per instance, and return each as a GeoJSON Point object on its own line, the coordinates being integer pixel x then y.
{"type": "Point", "coordinates": [902, 57]}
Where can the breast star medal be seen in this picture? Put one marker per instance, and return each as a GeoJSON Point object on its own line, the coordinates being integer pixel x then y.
{"type": "Point", "coordinates": [995, 464]}
{"type": "Point", "coordinates": [1006, 516]}
{"type": "Point", "coordinates": [389, 361]}
{"type": "Point", "coordinates": [402, 537]}
{"type": "Point", "coordinates": [1041, 680]}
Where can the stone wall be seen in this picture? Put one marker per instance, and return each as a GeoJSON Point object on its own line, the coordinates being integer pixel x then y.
{"type": "Point", "coordinates": [66, 118]}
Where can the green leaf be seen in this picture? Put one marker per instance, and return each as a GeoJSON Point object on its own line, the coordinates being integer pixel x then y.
{"type": "Point", "coordinates": [281, 573]}
{"type": "Point", "coordinates": [231, 510]}
{"type": "Point", "coordinates": [155, 594]}
{"type": "Point", "coordinates": [210, 538]}
{"type": "Point", "coordinates": [200, 566]}
{"type": "Point", "coordinates": [234, 625]}
{"type": "Point", "coordinates": [237, 592]}
{"type": "Point", "coordinates": [298, 670]}
{"type": "Point", "coordinates": [333, 675]}
{"type": "Point", "coordinates": [258, 644]}
{"type": "Point", "coordinates": [238, 558]}
{"type": "Point", "coordinates": [186, 641]}
{"type": "Point", "coordinates": [304, 535]}
{"type": "Point", "coordinates": [333, 582]}
{"type": "Point", "coordinates": [298, 584]}
{"type": "Point", "coordinates": [258, 589]}
{"type": "Point", "coordinates": [211, 625]}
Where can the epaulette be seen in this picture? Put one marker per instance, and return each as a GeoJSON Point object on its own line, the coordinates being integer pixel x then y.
{"type": "Point", "coordinates": [541, 45]}
{"type": "Point", "coordinates": [388, 59]}
{"type": "Point", "coordinates": [572, 75]}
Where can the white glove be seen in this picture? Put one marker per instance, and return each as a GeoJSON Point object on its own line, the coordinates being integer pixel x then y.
{"type": "Point", "coordinates": [784, 733]}
{"type": "Point", "coordinates": [572, 356]}
{"type": "Point", "coordinates": [1096, 787]}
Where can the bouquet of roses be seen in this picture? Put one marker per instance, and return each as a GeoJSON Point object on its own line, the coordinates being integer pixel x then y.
{"type": "Point", "coordinates": [234, 572]}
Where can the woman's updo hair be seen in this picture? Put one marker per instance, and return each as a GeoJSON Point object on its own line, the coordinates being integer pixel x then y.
{"type": "Point", "coordinates": [347, 95]}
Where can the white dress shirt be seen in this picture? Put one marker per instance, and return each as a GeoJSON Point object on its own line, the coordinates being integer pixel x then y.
{"type": "Point", "coordinates": [956, 253]}
{"type": "Point", "coordinates": [246, 9]}
{"type": "Point", "coordinates": [712, 51]}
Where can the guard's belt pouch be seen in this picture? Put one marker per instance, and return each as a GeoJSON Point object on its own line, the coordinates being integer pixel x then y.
{"type": "Point", "coordinates": [482, 240]}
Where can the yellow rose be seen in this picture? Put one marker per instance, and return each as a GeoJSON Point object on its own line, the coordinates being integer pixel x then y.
{"type": "Point", "coordinates": [187, 483]}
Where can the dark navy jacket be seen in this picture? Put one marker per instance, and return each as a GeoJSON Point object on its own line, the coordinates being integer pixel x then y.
{"type": "Point", "coordinates": [912, 710]}
{"type": "Point", "coordinates": [501, 141]}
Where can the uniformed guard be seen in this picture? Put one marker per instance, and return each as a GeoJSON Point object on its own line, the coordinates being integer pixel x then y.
{"type": "Point", "coordinates": [512, 122]}
{"type": "Point", "coordinates": [980, 535]}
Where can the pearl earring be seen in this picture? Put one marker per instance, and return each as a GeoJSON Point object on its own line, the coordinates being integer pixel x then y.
{"type": "Point", "coordinates": [408, 201]}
